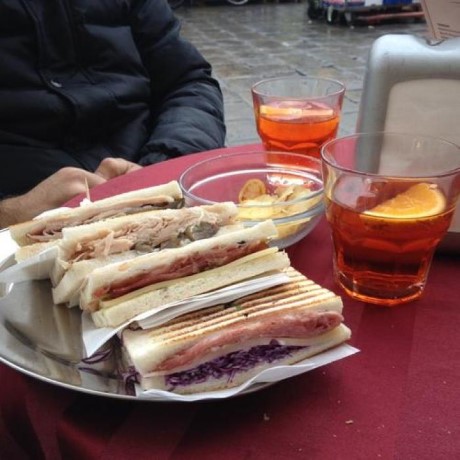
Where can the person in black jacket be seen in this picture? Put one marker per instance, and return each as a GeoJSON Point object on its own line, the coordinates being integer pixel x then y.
{"type": "Point", "coordinates": [93, 89]}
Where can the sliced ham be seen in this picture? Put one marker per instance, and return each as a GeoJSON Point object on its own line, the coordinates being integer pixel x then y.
{"type": "Point", "coordinates": [296, 324]}
{"type": "Point", "coordinates": [188, 265]}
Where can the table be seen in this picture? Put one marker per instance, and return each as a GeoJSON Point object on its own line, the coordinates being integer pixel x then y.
{"type": "Point", "coordinates": [395, 399]}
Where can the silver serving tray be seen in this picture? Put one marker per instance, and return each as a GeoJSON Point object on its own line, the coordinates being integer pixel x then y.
{"type": "Point", "coordinates": [43, 340]}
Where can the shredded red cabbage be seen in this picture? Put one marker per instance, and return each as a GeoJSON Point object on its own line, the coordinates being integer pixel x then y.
{"type": "Point", "coordinates": [231, 364]}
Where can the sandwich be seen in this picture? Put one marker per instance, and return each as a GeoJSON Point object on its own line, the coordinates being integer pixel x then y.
{"type": "Point", "coordinates": [224, 346]}
{"type": "Point", "coordinates": [116, 293]}
{"type": "Point", "coordinates": [36, 235]}
{"type": "Point", "coordinates": [86, 247]}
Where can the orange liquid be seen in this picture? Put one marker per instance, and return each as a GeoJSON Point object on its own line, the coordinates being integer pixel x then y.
{"type": "Point", "coordinates": [299, 133]}
{"type": "Point", "coordinates": [383, 260]}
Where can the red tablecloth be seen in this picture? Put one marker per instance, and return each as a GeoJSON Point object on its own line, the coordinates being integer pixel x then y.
{"type": "Point", "coordinates": [396, 399]}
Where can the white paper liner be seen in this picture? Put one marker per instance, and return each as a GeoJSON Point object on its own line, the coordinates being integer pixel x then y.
{"type": "Point", "coordinates": [94, 337]}
{"type": "Point", "coordinates": [37, 267]}
{"type": "Point", "coordinates": [272, 375]}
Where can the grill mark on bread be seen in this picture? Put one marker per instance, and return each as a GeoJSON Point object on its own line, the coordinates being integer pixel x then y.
{"type": "Point", "coordinates": [298, 282]}
{"type": "Point", "coordinates": [217, 319]}
{"type": "Point", "coordinates": [224, 318]}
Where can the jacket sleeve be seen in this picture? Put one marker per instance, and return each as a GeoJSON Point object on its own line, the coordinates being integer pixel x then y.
{"type": "Point", "coordinates": [187, 103]}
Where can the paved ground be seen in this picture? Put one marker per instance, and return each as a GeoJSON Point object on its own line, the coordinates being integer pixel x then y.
{"type": "Point", "coordinates": [264, 39]}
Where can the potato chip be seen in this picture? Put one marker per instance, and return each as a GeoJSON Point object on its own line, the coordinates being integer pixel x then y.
{"type": "Point", "coordinates": [256, 213]}
{"type": "Point", "coordinates": [253, 188]}
{"type": "Point", "coordinates": [284, 193]}
{"type": "Point", "coordinates": [262, 199]}
{"type": "Point", "coordinates": [256, 204]}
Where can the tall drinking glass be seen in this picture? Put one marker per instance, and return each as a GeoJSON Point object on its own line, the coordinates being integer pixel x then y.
{"type": "Point", "coordinates": [297, 114]}
{"type": "Point", "coordinates": [390, 198]}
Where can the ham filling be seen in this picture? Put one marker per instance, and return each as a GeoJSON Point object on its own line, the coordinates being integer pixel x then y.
{"type": "Point", "coordinates": [188, 265]}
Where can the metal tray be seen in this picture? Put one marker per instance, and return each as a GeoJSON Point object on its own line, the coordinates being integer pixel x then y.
{"type": "Point", "coordinates": [43, 340]}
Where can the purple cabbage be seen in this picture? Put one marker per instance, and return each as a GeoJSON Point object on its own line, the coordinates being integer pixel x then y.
{"type": "Point", "coordinates": [231, 364]}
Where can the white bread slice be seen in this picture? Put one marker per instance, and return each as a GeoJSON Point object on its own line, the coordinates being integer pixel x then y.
{"type": "Point", "coordinates": [19, 232]}
{"type": "Point", "coordinates": [115, 312]}
{"type": "Point", "coordinates": [165, 260]}
{"type": "Point", "coordinates": [312, 346]}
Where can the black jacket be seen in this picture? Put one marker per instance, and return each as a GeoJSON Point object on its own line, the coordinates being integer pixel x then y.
{"type": "Point", "coordinates": [81, 80]}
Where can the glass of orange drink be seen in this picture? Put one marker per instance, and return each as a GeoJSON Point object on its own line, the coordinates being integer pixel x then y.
{"type": "Point", "coordinates": [297, 114]}
{"type": "Point", "coordinates": [389, 200]}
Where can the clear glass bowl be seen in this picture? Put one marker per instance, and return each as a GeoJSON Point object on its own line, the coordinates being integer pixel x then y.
{"type": "Point", "coordinates": [223, 177]}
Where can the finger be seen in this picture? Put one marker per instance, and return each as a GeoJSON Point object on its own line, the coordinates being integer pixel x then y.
{"type": "Point", "coordinates": [69, 183]}
{"type": "Point", "coordinates": [113, 167]}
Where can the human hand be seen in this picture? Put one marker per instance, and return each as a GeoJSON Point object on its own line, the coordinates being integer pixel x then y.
{"type": "Point", "coordinates": [59, 188]}
{"type": "Point", "coordinates": [114, 167]}
{"type": "Point", "coordinates": [51, 193]}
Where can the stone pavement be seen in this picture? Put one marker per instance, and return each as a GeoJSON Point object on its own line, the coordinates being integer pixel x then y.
{"type": "Point", "coordinates": [247, 43]}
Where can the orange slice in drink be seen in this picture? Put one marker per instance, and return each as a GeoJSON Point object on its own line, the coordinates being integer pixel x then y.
{"type": "Point", "coordinates": [271, 111]}
{"type": "Point", "coordinates": [420, 200]}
